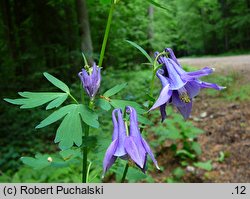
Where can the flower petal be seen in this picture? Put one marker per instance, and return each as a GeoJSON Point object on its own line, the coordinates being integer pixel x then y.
{"type": "Point", "coordinates": [120, 151]}
{"type": "Point", "coordinates": [134, 149]}
{"type": "Point", "coordinates": [133, 127]}
{"type": "Point", "coordinates": [172, 56]}
{"type": "Point", "coordinates": [91, 81]}
{"type": "Point", "coordinates": [210, 85]}
{"type": "Point", "coordinates": [86, 81]}
{"type": "Point", "coordinates": [109, 158]}
{"type": "Point", "coordinates": [145, 165]}
{"type": "Point", "coordinates": [163, 79]}
{"type": "Point", "coordinates": [163, 112]}
{"type": "Point", "coordinates": [188, 76]}
{"type": "Point", "coordinates": [115, 124]}
{"type": "Point", "coordinates": [163, 98]}
{"type": "Point", "coordinates": [150, 153]}
{"type": "Point", "coordinates": [176, 99]}
{"type": "Point", "coordinates": [96, 78]}
{"type": "Point", "coordinates": [174, 73]}
{"type": "Point", "coordinates": [193, 88]}
{"type": "Point", "coordinates": [185, 110]}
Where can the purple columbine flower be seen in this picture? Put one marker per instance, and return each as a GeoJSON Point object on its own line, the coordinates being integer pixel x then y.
{"type": "Point", "coordinates": [127, 144]}
{"type": "Point", "coordinates": [178, 86]}
{"type": "Point", "coordinates": [91, 79]}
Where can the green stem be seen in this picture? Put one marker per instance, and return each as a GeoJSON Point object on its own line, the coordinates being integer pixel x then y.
{"type": "Point", "coordinates": [105, 39]}
{"type": "Point", "coordinates": [90, 163]}
{"type": "Point", "coordinates": [73, 98]}
{"type": "Point", "coordinates": [85, 157]}
{"type": "Point", "coordinates": [125, 173]}
{"type": "Point", "coordinates": [152, 83]}
{"type": "Point", "coordinates": [85, 150]}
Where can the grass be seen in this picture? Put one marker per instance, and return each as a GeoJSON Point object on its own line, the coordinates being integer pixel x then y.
{"type": "Point", "coordinates": [236, 89]}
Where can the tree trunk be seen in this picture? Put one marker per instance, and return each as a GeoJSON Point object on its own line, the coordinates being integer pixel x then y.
{"type": "Point", "coordinates": [84, 30]}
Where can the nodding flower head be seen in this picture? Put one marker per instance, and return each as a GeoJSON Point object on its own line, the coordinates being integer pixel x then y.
{"type": "Point", "coordinates": [178, 86]}
{"type": "Point", "coordinates": [91, 79]}
{"type": "Point", "coordinates": [127, 143]}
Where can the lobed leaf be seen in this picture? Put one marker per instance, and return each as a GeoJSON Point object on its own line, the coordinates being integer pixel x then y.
{"type": "Point", "coordinates": [70, 153]}
{"type": "Point", "coordinates": [56, 82]}
{"type": "Point", "coordinates": [123, 103]}
{"type": "Point", "coordinates": [39, 162]}
{"type": "Point", "coordinates": [70, 129]}
{"type": "Point", "coordinates": [88, 116]}
{"type": "Point", "coordinates": [114, 90]}
{"type": "Point", "coordinates": [103, 104]}
{"type": "Point", "coordinates": [35, 99]}
{"type": "Point", "coordinates": [55, 116]}
{"type": "Point", "coordinates": [43, 161]}
{"type": "Point", "coordinates": [144, 120]}
{"type": "Point", "coordinates": [57, 102]}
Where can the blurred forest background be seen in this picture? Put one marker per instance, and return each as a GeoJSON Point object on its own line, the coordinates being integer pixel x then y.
{"type": "Point", "coordinates": [49, 35]}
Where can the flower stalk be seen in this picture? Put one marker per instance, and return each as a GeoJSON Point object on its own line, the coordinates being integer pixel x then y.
{"type": "Point", "coordinates": [152, 83]}
{"type": "Point", "coordinates": [125, 173]}
{"type": "Point", "coordinates": [85, 156]}
{"type": "Point", "coordinates": [72, 97]}
{"type": "Point", "coordinates": [105, 39]}
{"type": "Point", "coordinates": [85, 166]}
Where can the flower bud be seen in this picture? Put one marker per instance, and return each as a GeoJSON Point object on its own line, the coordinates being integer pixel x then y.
{"type": "Point", "coordinates": [91, 80]}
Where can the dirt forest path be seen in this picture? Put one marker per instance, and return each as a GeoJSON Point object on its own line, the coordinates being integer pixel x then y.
{"type": "Point", "coordinates": [226, 124]}
{"type": "Point", "coordinates": [223, 65]}
{"type": "Point", "coordinates": [240, 62]}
